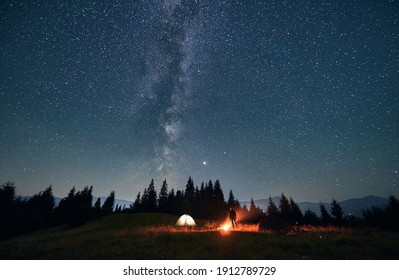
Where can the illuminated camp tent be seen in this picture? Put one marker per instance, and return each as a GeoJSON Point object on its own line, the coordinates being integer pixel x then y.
{"type": "Point", "coordinates": [185, 220]}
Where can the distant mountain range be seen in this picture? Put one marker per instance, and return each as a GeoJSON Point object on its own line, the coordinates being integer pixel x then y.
{"type": "Point", "coordinates": [353, 206]}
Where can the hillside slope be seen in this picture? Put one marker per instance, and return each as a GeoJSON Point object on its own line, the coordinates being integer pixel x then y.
{"type": "Point", "coordinates": [124, 236]}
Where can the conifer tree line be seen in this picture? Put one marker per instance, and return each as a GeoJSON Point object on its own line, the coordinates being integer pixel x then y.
{"type": "Point", "coordinates": [206, 202]}
{"type": "Point", "coordinates": [19, 215]}
{"type": "Point", "coordinates": [288, 214]}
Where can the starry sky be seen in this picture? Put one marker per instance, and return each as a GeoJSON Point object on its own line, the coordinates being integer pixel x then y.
{"type": "Point", "coordinates": [300, 97]}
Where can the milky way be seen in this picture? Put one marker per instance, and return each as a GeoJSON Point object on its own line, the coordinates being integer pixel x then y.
{"type": "Point", "coordinates": [299, 97]}
{"type": "Point", "coordinates": [172, 53]}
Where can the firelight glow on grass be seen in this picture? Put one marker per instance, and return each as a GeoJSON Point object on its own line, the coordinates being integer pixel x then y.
{"type": "Point", "coordinates": [154, 236]}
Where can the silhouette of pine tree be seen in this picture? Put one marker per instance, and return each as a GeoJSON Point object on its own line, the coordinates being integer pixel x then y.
{"type": "Point", "coordinates": [255, 214]}
{"type": "Point", "coordinates": [171, 201]}
{"type": "Point", "coordinates": [152, 197]}
{"type": "Point", "coordinates": [296, 213]}
{"type": "Point", "coordinates": [219, 206]}
{"type": "Point", "coordinates": [188, 199]}
{"type": "Point", "coordinates": [189, 191]}
{"type": "Point", "coordinates": [163, 198]}
{"type": "Point", "coordinates": [325, 216]}
{"type": "Point", "coordinates": [7, 197]}
{"type": "Point", "coordinates": [149, 198]}
{"type": "Point", "coordinates": [272, 208]}
{"type": "Point", "coordinates": [137, 206]}
{"type": "Point", "coordinates": [232, 202]}
{"type": "Point", "coordinates": [144, 201]}
{"type": "Point", "coordinates": [197, 203]}
{"type": "Point", "coordinates": [208, 201]}
{"type": "Point", "coordinates": [285, 210]}
{"type": "Point", "coordinates": [41, 207]}
{"type": "Point", "coordinates": [177, 203]}
{"type": "Point", "coordinates": [108, 205]}
{"type": "Point", "coordinates": [337, 213]}
{"type": "Point", "coordinates": [7, 210]}
{"type": "Point", "coordinates": [97, 207]}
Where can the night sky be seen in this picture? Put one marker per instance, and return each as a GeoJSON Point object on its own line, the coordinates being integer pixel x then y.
{"type": "Point", "coordinates": [300, 97]}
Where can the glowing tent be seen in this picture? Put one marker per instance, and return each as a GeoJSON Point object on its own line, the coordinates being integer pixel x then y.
{"type": "Point", "coordinates": [185, 220]}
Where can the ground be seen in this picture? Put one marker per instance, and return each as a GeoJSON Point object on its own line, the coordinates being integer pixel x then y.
{"type": "Point", "coordinates": [154, 236]}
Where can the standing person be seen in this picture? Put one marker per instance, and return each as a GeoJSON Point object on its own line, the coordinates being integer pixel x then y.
{"type": "Point", "coordinates": [233, 218]}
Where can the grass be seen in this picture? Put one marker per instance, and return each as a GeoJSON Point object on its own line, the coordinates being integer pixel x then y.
{"type": "Point", "coordinates": [154, 236]}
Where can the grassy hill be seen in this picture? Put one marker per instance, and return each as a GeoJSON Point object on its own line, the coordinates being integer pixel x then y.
{"type": "Point", "coordinates": [124, 236]}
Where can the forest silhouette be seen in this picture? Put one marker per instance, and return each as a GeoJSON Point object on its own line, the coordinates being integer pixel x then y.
{"type": "Point", "coordinates": [206, 202]}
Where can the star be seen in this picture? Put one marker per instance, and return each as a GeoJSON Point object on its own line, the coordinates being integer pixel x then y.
{"type": "Point", "coordinates": [155, 89]}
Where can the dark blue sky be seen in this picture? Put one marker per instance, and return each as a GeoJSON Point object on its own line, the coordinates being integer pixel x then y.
{"type": "Point", "coordinates": [299, 97]}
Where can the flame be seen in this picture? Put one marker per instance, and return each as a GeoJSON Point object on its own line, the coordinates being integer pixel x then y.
{"type": "Point", "coordinates": [225, 227]}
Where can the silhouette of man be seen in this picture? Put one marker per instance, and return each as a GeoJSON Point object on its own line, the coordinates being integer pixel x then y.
{"type": "Point", "coordinates": [233, 217]}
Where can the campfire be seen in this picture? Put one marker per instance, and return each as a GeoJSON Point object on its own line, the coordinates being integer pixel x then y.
{"type": "Point", "coordinates": [225, 227]}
